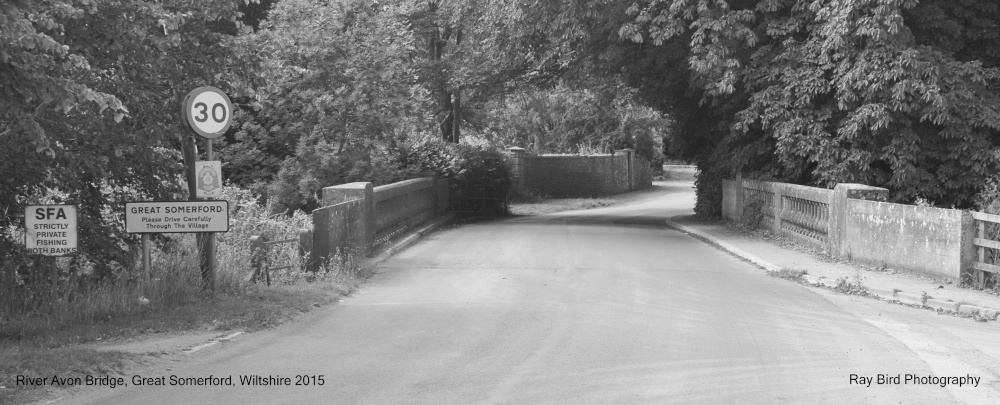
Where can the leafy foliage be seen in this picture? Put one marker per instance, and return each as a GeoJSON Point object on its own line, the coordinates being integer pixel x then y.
{"type": "Point", "coordinates": [482, 167]}
{"type": "Point", "coordinates": [894, 93]}
{"type": "Point", "coordinates": [567, 120]}
{"type": "Point", "coordinates": [339, 94]}
{"type": "Point", "coordinates": [68, 69]}
{"type": "Point", "coordinates": [852, 91]}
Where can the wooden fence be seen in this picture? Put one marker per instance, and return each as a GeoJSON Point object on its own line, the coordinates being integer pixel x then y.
{"type": "Point", "coordinates": [987, 246]}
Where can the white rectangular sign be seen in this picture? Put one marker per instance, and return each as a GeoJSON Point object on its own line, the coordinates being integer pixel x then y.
{"type": "Point", "coordinates": [51, 230]}
{"type": "Point", "coordinates": [177, 216]}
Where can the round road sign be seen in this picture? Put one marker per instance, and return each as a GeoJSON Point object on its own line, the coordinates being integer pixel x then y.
{"type": "Point", "coordinates": [208, 111]}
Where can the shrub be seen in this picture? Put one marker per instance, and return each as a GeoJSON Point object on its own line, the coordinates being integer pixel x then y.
{"type": "Point", "coordinates": [484, 170]}
{"type": "Point", "coordinates": [482, 167]}
{"type": "Point", "coordinates": [471, 168]}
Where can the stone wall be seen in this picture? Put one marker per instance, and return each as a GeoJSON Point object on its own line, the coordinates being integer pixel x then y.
{"type": "Point", "coordinates": [642, 176]}
{"type": "Point", "coordinates": [357, 217]}
{"type": "Point", "coordinates": [854, 222]}
{"type": "Point", "coordinates": [339, 228]}
{"type": "Point", "coordinates": [924, 239]}
{"type": "Point", "coordinates": [564, 176]}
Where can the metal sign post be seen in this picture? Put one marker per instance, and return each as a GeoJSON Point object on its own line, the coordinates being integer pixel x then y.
{"type": "Point", "coordinates": [197, 217]}
{"type": "Point", "coordinates": [208, 111]}
{"type": "Point", "coordinates": [145, 261]}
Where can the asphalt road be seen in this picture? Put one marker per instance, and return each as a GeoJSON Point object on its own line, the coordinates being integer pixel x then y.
{"type": "Point", "coordinates": [604, 306]}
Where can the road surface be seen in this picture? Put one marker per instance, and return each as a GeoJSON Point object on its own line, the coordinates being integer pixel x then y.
{"type": "Point", "coordinates": [605, 306]}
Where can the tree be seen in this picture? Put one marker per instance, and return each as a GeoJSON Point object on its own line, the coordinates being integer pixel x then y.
{"type": "Point", "coordinates": [68, 70]}
{"type": "Point", "coordinates": [852, 91]}
{"type": "Point", "coordinates": [590, 118]}
{"type": "Point", "coordinates": [339, 87]}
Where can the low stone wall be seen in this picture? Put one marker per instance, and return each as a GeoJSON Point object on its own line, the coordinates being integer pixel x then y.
{"type": "Point", "coordinates": [401, 205]}
{"type": "Point", "coordinates": [575, 176]}
{"type": "Point", "coordinates": [564, 176]}
{"type": "Point", "coordinates": [853, 222]}
{"type": "Point", "coordinates": [339, 228]}
{"type": "Point", "coordinates": [357, 217]}
{"type": "Point", "coordinates": [923, 239]}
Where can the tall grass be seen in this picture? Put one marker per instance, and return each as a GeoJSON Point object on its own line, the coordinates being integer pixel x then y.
{"type": "Point", "coordinates": [27, 310]}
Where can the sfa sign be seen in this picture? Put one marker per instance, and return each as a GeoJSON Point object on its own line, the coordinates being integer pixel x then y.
{"type": "Point", "coordinates": [177, 217]}
{"type": "Point", "coordinates": [51, 230]}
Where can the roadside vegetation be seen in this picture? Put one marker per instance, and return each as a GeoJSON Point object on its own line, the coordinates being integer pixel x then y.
{"type": "Point", "coordinates": [39, 340]}
{"type": "Point", "coordinates": [324, 93]}
{"type": "Point", "coordinates": [882, 92]}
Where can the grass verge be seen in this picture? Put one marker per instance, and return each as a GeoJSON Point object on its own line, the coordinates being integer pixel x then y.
{"type": "Point", "coordinates": [44, 349]}
{"type": "Point", "coordinates": [40, 337]}
{"type": "Point", "coordinates": [789, 274]}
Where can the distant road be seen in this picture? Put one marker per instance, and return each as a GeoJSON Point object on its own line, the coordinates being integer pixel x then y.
{"type": "Point", "coordinates": [605, 306]}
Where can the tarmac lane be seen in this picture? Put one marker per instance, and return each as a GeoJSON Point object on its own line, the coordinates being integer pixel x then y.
{"type": "Point", "coordinates": [605, 306]}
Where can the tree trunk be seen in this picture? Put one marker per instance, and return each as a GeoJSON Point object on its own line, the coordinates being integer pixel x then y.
{"type": "Point", "coordinates": [456, 117]}
{"type": "Point", "coordinates": [448, 101]}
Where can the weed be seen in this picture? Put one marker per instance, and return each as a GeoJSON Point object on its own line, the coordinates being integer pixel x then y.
{"type": "Point", "coordinates": [858, 279]}
{"type": "Point", "coordinates": [924, 296]}
{"type": "Point", "coordinates": [856, 286]}
{"type": "Point", "coordinates": [789, 274]}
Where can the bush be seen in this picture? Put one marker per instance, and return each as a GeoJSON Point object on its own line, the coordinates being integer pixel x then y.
{"type": "Point", "coordinates": [475, 169]}
{"type": "Point", "coordinates": [483, 170]}
{"type": "Point", "coordinates": [481, 166]}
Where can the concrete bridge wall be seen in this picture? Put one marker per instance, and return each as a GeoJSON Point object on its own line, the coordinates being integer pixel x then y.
{"type": "Point", "coordinates": [357, 218]}
{"type": "Point", "coordinates": [853, 222]}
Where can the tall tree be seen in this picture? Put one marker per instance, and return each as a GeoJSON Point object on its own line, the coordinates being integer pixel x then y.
{"type": "Point", "coordinates": [842, 91]}
{"type": "Point", "coordinates": [339, 88]}
{"type": "Point", "coordinates": [90, 106]}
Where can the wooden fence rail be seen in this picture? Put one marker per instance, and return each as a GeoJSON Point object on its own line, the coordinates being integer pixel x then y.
{"type": "Point", "coordinates": [260, 249]}
{"type": "Point", "coordinates": [982, 242]}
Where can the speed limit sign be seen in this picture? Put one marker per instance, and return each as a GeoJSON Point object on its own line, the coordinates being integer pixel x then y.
{"type": "Point", "coordinates": [208, 111]}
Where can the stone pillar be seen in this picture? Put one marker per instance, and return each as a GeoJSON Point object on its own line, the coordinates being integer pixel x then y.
{"type": "Point", "coordinates": [630, 165]}
{"type": "Point", "coordinates": [515, 158]}
{"type": "Point", "coordinates": [778, 193]}
{"type": "Point", "coordinates": [364, 191]}
{"type": "Point", "coordinates": [839, 211]}
{"type": "Point", "coordinates": [739, 199]}
{"type": "Point", "coordinates": [969, 254]}
{"type": "Point", "coordinates": [434, 189]}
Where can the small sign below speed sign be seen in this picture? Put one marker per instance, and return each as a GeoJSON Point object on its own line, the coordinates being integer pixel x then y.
{"type": "Point", "coordinates": [208, 111]}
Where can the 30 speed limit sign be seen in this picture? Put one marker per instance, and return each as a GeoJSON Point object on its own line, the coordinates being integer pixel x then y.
{"type": "Point", "coordinates": [208, 111]}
